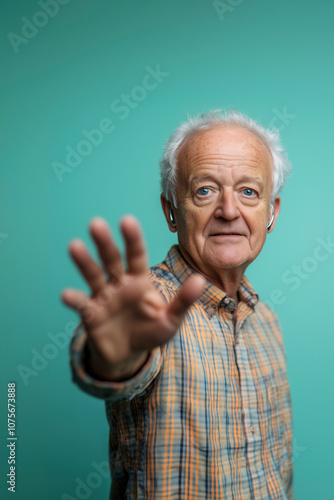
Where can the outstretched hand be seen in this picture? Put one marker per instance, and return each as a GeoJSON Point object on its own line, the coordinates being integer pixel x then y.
{"type": "Point", "coordinates": [126, 316]}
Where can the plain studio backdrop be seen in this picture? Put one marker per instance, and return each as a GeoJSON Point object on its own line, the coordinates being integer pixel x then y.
{"type": "Point", "coordinates": [91, 90]}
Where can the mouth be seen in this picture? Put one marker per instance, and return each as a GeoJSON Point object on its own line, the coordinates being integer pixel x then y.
{"type": "Point", "coordinates": [227, 234]}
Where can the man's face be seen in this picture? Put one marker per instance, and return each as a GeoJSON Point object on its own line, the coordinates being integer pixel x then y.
{"type": "Point", "coordinates": [224, 182]}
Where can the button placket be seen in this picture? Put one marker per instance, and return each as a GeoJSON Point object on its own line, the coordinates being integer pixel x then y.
{"type": "Point", "coordinates": [249, 403]}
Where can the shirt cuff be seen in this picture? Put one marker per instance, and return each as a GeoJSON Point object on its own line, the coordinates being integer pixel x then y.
{"type": "Point", "coordinates": [111, 391]}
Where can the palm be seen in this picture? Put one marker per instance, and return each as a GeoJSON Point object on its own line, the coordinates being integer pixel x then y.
{"type": "Point", "coordinates": [135, 312]}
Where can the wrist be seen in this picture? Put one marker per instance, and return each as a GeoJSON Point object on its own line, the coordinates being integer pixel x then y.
{"type": "Point", "coordinates": [101, 370]}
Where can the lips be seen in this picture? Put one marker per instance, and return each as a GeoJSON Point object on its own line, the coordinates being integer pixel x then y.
{"type": "Point", "coordinates": [226, 234]}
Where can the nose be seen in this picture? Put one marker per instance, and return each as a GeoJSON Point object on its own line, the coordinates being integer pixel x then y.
{"type": "Point", "coordinates": [227, 207]}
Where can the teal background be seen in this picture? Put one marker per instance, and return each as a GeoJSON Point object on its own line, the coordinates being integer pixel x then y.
{"type": "Point", "coordinates": [261, 56]}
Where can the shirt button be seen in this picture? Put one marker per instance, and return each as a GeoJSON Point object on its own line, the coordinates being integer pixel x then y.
{"type": "Point", "coordinates": [210, 310]}
{"type": "Point", "coordinates": [252, 429]}
{"type": "Point", "coordinates": [226, 300]}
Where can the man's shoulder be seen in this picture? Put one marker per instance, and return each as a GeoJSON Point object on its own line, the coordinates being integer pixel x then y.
{"type": "Point", "coordinates": [267, 317]}
{"type": "Point", "coordinates": [266, 311]}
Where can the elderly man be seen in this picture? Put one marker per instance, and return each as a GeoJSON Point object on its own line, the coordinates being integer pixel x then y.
{"type": "Point", "coordinates": [190, 364]}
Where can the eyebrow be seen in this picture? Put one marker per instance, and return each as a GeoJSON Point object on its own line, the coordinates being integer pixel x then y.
{"type": "Point", "coordinates": [245, 178]}
{"type": "Point", "coordinates": [200, 178]}
{"type": "Point", "coordinates": [249, 178]}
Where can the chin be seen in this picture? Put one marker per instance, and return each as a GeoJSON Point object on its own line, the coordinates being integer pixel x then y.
{"type": "Point", "coordinates": [228, 255]}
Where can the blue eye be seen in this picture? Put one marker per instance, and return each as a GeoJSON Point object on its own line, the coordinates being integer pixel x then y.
{"type": "Point", "coordinates": [248, 191]}
{"type": "Point", "coordinates": [203, 191]}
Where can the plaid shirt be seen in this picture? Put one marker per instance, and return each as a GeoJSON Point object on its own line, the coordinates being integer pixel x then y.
{"type": "Point", "coordinates": [209, 415]}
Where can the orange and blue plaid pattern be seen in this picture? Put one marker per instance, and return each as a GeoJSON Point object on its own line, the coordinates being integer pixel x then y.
{"type": "Point", "coordinates": [209, 415]}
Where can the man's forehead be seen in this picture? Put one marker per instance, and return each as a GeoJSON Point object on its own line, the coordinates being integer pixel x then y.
{"type": "Point", "coordinates": [222, 144]}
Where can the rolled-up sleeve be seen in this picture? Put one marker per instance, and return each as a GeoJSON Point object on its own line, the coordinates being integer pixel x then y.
{"type": "Point", "coordinates": [111, 391]}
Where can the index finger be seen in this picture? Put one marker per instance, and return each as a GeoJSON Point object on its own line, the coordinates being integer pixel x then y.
{"type": "Point", "coordinates": [135, 248]}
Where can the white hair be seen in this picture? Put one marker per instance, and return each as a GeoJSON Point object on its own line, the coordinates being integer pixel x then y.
{"type": "Point", "coordinates": [232, 118]}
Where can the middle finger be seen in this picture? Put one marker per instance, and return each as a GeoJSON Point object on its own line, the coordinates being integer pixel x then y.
{"type": "Point", "coordinates": [107, 249]}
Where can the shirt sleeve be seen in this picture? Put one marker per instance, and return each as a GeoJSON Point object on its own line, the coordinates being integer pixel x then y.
{"type": "Point", "coordinates": [110, 391]}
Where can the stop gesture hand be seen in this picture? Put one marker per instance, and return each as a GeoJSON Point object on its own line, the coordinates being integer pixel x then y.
{"type": "Point", "coordinates": [126, 316]}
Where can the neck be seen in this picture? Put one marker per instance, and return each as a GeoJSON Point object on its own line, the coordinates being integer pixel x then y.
{"type": "Point", "coordinates": [226, 279]}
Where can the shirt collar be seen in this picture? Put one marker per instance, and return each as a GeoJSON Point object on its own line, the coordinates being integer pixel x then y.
{"type": "Point", "coordinates": [211, 296]}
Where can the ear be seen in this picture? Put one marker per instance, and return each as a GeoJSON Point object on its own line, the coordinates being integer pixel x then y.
{"type": "Point", "coordinates": [166, 206]}
{"type": "Point", "coordinates": [277, 207]}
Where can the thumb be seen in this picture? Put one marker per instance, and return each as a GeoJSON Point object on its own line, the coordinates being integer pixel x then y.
{"type": "Point", "coordinates": [189, 292]}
